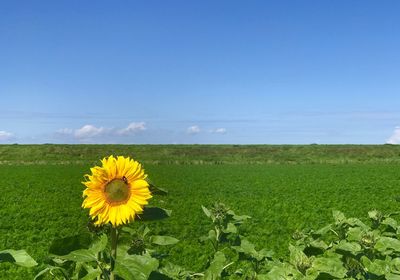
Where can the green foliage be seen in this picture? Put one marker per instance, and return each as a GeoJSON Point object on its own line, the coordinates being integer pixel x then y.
{"type": "Point", "coordinates": [136, 267]}
{"type": "Point", "coordinates": [64, 246]}
{"type": "Point", "coordinates": [153, 214]}
{"type": "Point", "coordinates": [283, 188]}
{"type": "Point", "coordinates": [216, 267]}
{"type": "Point", "coordinates": [19, 257]}
{"type": "Point", "coordinates": [95, 261]}
{"type": "Point", "coordinates": [225, 223]}
{"type": "Point", "coordinates": [163, 240]}
{"type": "Point", "coordinates": [348, 248]}
{"type": "Point", "coordinates": [142, 242]}
{"type": "Point", "coordinates": [345, 249]}
{"type": "Point", "coordinates": [201, 154]}
{"type": "Point", "coordinates": [91, 256]}
{"type": "Point", "coordinates": [173, 271]}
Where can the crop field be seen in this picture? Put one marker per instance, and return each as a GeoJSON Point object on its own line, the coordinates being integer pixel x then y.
{"type": "Point", "coordinates": [283, 188]}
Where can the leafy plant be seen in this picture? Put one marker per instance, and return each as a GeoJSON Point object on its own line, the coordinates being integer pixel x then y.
{"type": "Point", "coordinates": [225, 223]}
{"type": "Point", "coordinates": [345, 249]}
{"type": "Point", "coordinates": [90, 255]}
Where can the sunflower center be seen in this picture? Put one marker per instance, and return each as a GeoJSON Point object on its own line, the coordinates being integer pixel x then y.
{"type": "Point", "coordinates": [117, 190]}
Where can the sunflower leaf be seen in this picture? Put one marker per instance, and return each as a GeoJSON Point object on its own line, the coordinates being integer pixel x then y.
{"type": "Point", "coordinates": [136, 267]}
{"type": "Point", "coordinates": [81, 255]}
{"type": "Point", "coordinates": [216, 267]}
{"type": "Point", "coordinates": [49, 270]}
{"type": "Point", "coordinates": [66, 245]}
{"type": "Point", "coordinates": [157, 190]}
{"type": "Point", "coordinates": [153, 214]}
{"type": "Point", "coordinates": [206, 211]}
{"type": "Point", "coordinates": [19, 257]}
{"type": "Point", "coordinates": [100, 244]}
{"type": "Point", "coordinates": [163, 240]}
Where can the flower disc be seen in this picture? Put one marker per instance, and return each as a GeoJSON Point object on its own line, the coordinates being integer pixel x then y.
{"type": "Point", "coordinates": [116, 191]}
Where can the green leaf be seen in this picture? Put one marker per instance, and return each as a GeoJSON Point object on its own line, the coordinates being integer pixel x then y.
{"type": "Point", "coordinates": [355, 234]}
{"type": "Point", "coordinates": [163, 240]}
{"type": "Point", "coordinates": [92, 273]}
{"type": "Point", "coordinates": [350, 247]}
{"type": "Point", "coordinates": [212, 235]}
{"type": "Point", "coordinates": [153, 214]}
{"type": "Point", "coordinates": [377, 267]}
{"type": "Point", "coordinates": [384, 243]}
{"type": "Point", "coordinates": [390, 222]}
{"type": "Point", "coordinates": [324, 230]}
{"type": "Point", "coordinates": [238, 218]}
{"type": "Point", "coordinates": [146, 230]}
{"type": "Point", "coordinates": [320, 244]}
{"type": "Point", "coordinates": [283, 271]}
{"type": "Point", "coordinates": [298, 258]}
{"type": "Point", "coordinates": [141, 231]}
{"type": "Point", "coordinates": [99, 245]}
{"type": "Point", "coordinates": [375, 215]}
{"type": "Point", "coordinates": [128, 230]}
{"type": "Point", "coordinates": [49, 269]}
{"type": "Point", "coordinates": [19, 257]}
{"type": "Point", "coordinates": [81, 255]}
{"type": "Point", "coordinates": [66, 245]}
{"type": "Point", "coordinates": [330, 265]}
{"type": "Point", "coordinates": [216, 267]}
{"type": "Point", "coordinates": [338, 216]}
{"type": "Point", "coordinates": [42, 273]}
{"type": "Point", "coordinates": [206, 211]}
{"type": "Point", "coordinates": [231, 228]}
{"type": "Point", "coordinates": [136, 267]}
{"type": "Point", "coordinates": [246, 247]}
{"type": "Point", "coordinates": [395, 264]}
{"type": "Point", "coordinates": [157, 190]}
{"type": "Point", "coordinates": [391, 276]}
{"type": "Point", "coordinates": [265, 253]}
{"type": "Point", "coordinates": [356, 222]}
{"type": "Point", "coordinates": [174, 271]}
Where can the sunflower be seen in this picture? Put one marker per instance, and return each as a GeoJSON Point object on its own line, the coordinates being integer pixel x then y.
{"type": "Point", "coordinates": [116, 191]}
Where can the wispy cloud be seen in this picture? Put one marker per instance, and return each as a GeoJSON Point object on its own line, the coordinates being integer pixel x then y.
{"type": "Point", "coordinates": [83, 134]}
{"type": "Point", "coordinates": [132, 128]}
{"type": "Point", "coordinates": [194, 129]}
{"type": "Point", "coordinates": [395, 138]}
{"type": "Point", "coordinates": [220, 130]}
{"type": "Point", "coordinates": [90, 132]}
{"type": "Point", "coordinates": [6, 136]}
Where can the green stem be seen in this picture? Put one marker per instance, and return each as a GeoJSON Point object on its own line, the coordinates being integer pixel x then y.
{"type": "Point", "coordinates": [217, 233]}
{"type": "Point", "coordinates": [114, 242]}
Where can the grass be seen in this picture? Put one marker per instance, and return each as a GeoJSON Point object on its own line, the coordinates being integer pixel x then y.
{"type": "Point", "coordinates": [283, 188]}
{"type": "Point", "coordinates": [201, 154]}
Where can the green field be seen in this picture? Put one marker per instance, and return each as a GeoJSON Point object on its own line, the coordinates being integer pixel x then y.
{"type": "Point", "coordinates": [283, 188]}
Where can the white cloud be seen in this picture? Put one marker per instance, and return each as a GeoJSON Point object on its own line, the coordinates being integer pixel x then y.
{"type": "Point", "coordinates": [89, 131]}
{"type": "Point", "coordinates": [132, 128]}
{"type": "Point", "coordinates": [219, 130]}
{"type": "Point", "coordinates": [395, 138]}
{"type": "Point", "coordinates": [194, 129]}
{"type": "Point", "coordinates": [5, 135]}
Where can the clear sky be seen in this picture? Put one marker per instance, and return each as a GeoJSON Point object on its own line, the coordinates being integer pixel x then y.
{"type": "Point", "coordinates": [274, 72]}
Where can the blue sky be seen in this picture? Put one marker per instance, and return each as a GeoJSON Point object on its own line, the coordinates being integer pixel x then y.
{"type": "Point", "coordinates": [274, 72]}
